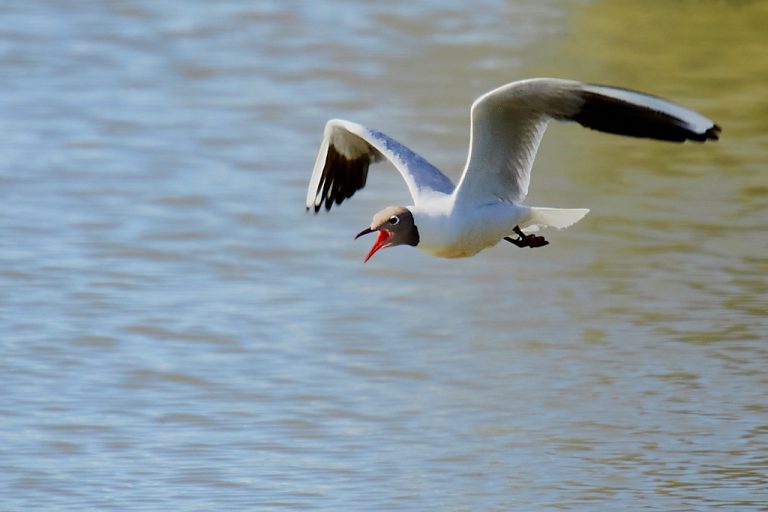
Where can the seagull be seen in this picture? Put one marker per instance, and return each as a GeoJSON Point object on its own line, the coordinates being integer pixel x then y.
{"type": "Point", "coordinates": [486, 206]}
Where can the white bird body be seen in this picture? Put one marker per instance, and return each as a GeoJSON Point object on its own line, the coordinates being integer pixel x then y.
{"type": "Point", "coordinates": [487, 204]}
{"type": "Point", "coordinates": [450, 231]}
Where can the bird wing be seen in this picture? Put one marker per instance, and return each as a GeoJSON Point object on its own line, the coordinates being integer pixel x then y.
{"type": "Point", "coordinates": [348, 149]}
{"type": "Point", "coordinates": [508, 123]}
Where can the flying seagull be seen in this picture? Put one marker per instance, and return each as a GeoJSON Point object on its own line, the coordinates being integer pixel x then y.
{"type": "Point", "coordinates": [487, 206]}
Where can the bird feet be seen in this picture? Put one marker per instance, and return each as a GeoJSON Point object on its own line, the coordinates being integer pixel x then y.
{"type": "Point", "coordinates": [526, 240]}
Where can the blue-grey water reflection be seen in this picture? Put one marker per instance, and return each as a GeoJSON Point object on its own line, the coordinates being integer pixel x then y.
{"type": "Point", "coordinates": [177, 332]}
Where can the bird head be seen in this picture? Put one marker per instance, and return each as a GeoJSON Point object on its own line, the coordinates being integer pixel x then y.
{"type": "Point", "coordinates": [395, 226]}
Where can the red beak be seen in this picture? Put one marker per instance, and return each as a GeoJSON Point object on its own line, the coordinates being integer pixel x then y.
{"type": "Point", "coordinates": [384, 237]}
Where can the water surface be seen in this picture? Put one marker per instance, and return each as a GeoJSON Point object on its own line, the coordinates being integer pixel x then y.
{"type": "Point", "coordinates": [177, 332]}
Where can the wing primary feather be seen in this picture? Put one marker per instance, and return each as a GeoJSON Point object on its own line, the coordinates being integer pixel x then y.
{"type": "Point", "coordinates": [340, 183]}
{"type": "Point", "coordinates": [341, 178]}
{"type": "Point", "coordinates": [615, 115]}
{"type": "Point", "coordinates": [329, 173]}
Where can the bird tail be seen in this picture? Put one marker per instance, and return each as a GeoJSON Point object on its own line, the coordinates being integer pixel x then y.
{"type": "Point", "coordinates": [559, 218]}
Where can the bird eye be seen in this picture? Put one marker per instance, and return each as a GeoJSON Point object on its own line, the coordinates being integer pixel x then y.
{"type": "Point", "coordinates": [394, 220]}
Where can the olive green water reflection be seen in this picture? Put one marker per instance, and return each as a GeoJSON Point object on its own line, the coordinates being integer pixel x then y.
{"type": "Point", "coordinates": [176, 333]}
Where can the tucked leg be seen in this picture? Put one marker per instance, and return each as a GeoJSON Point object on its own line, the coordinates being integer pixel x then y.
{"type": "Point", "coordinates": [524, 240]}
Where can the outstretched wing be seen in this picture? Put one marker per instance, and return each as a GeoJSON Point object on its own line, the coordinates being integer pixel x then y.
{"type": "Point", "coordinates": [348, 149]}
{"type": "Point", "coordinates": [508, 123]}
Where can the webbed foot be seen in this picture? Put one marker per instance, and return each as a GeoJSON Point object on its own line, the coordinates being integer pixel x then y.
{"type": "Point", "coordinates": [526, 240]}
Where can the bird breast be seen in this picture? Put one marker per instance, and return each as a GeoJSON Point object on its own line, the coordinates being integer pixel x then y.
{"type": "Point", "coordinates": [456, 233]}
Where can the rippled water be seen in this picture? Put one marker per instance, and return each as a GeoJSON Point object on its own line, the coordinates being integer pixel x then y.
{"type": "Point", "coordinates": [176, 332]}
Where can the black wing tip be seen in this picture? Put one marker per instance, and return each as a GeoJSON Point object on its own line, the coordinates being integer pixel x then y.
{"type": "Point", "coordinates": [326, 203]}
{"type": "Point", "coordinates": [615, 115]}
{"type": "Point", "coordinates": [341, 178]}
{"type": "Point", "coordinates": [713, 133]}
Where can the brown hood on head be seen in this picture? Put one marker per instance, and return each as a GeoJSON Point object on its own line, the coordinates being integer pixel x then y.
{"type": "Point", "coordinates": [395, 226]}
{"type": "Point", "coordinates": [398, 220]}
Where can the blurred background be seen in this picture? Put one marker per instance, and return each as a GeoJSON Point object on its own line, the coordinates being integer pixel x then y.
{"type": "Point", "coordinates": [176, 331]}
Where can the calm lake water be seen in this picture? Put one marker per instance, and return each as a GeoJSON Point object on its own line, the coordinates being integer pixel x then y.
{"type": "Point", "coordinates": [178, 334]}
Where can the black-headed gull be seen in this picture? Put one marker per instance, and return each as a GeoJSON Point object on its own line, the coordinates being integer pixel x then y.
{"type": "Point", "coordinates": [487, 205]}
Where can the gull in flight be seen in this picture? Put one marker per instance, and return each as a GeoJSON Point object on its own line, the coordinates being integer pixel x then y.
{"type": "Point", "coordinates": [487, 206]}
